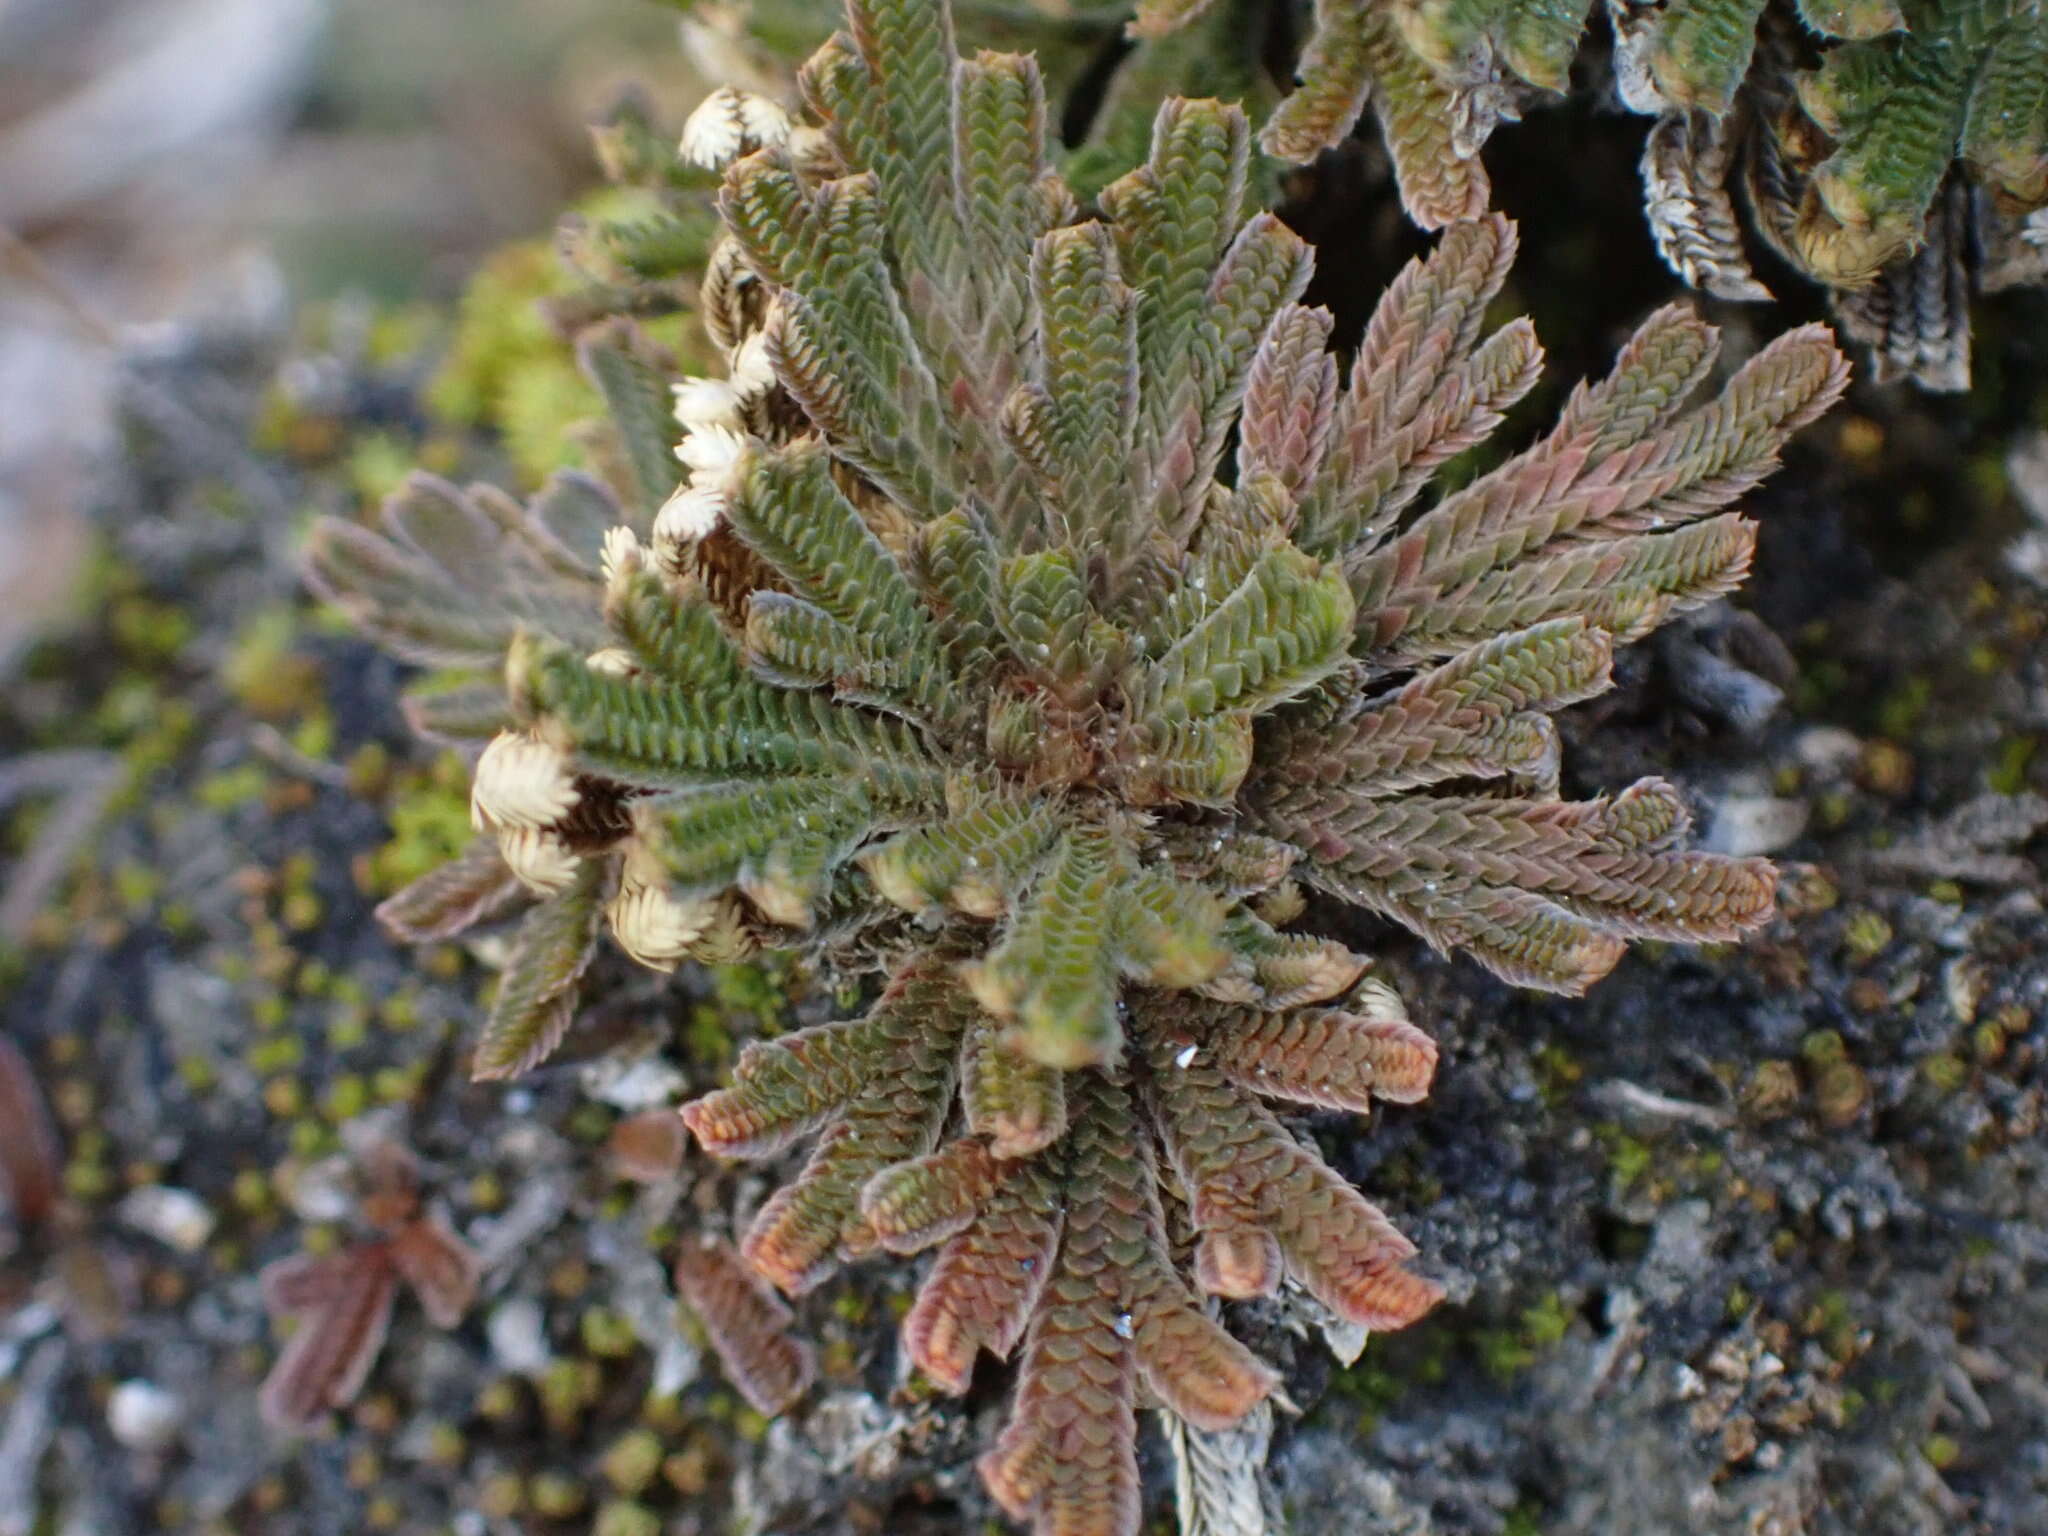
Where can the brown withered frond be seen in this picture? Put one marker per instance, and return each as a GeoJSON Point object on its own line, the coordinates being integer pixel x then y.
{"type": "Point", "coordinates": [1043, 613]}
{"type": "Point", "coordinates": [746, 1323]}
{"type": "Point", "coordinates": [31, 1162]}
{"type": "Point", "coordinates": [340, 1303]}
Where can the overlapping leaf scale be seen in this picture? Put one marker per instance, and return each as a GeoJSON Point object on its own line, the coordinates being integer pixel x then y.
{"type": "Point", "coordinates": [983, 1288]}
{"type": "Point", "coordinates": [445, 583]}
{"type": "Point", "coordinates": [1052, 976]}
{"type": "Point", "coordinates": [1284, 628]}
{"type": "Point", "coordinates": [1019, 1106]}
{"type": "Point", "coordinates": [1334, 78]}
{"type": "Point", "coordinates": [747, 1324]}
{"type": "Point", "coordinates": [1087, 340]}
{"type": "Point", "coordinates": [1260, 1200]}
{"type": "Point", "coordinates": [784, 1089]}
{"type": "Point", "coordinates": [1264, 270]}
{"type": "Point", "coordinates": [1052, 627]}
{"type": "Point", "coordinates": [1066, 1461]}
{"type": "Point", "coordinates": [1481, 715]}
{"type": "Point", "coordinates": [1652, 377]}
{"type": "Point", "coordinates": [1701, 50]}
{"type": "Point", "coordinates": [469, 889]}
{"type": "Point", "coordinates": [1346, 1057]}
{"type": "Point", "coordinates": [1188, 762]}
{"type": "Point", "coordinates": [2005, 129]}
{"type": "Point", "coordinates": [654, 735]}
{"type": "Point", "coordinates": [881, 1089]}
{"type": "Point", "coordinates": [841, 343]}
{"type": "Point", "coordinates": [1173, 218]}
{"type": "Point", "coordinates": [1627, 587]}
{"type": "Point", "coordinates": [973, 861]}
{"type": "Point", "coordinates": [1280, 970]}
{"type": "Point", "coordinates": [633, 380]}
{"type": "Point", "coordinates": [1506, 878]}
{"type": "Point", "coordinates": [1418, 342]}
{"type": "Point", "coordinates": [913, 1204]}
{"type": "Point", "coordinates": [860, 622]}
{"type": "Point", "coordinates": [1290, 398]}
{"type": "Point", "coordinates": [795, 829]}
{"type": "Point", "coordinates": [679, 641]}
{"type": "Point", "coordinates": [1169, 931]}
{"type": "Point", "coordinates": [956, 572]}
{"type": "Point", "coordinates": [953, 298]}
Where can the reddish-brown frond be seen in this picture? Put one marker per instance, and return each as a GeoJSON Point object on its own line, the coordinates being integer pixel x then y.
{"type": "Point", "coordinates": [648, 1147]}
{"type": "Point", "coordinates": [441, 1269]}
{"type": "Point", "coordinates": [747, 1324]}
{"type": "Point", "coordinates": [1067, 1460]}
{"type": "Point", "coordinates": [31, 1163]}
{"type": "Point", "coordinates": [1333, 1058]}
{"type": "Point", "coordinates": [912, 1205]}
{"type": "Point", "coordinates": [1242, 1170]}
{"type": "Point", "coordinates": [906, 1079]}
{"type": "Point", "coordinates": [984, 1286]}
{"type": "Point", "coordinates": [342, 1304]}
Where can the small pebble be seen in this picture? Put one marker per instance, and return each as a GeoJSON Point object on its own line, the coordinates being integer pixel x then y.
{"type": "Point", "coordinates": [143, 1416]}
{"type": "Point", "coordinates": [176, 1218]}
{"type": "Point", "coordinates": [518, 1333]}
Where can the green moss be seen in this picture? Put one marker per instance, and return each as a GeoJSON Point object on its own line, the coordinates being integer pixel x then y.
{"type": "Point", "coordinates": [2007, 774]}
{"type": "Point", "coordinates": [429, 825]}
{"type": "Point", "coordinates": [1628, 1157]}
{"type": "Point", "coordinates": [1865, 935]}
{"type": "Point", "coordinates": [243, 784]}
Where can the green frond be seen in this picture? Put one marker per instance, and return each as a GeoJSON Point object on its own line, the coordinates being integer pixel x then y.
{"type": "Point", "coordinates": [1051, 626]}
{"type": "Point", "coordinates": [621, 363]}
{"type": "Point", "coordinates": [678, 642]}
{"type": "Point", "coordinates": [717, 835]}
{"type": "Point", "coordinates": [536, 997]}
{"type": "Point", "coordinates": [914, 1204]}
{"type": "Point", "coordinates": [1087, 327]}
{"type": "Point", "coordinates": [1052, 977]}
{"type": "Point", "coordinates": [655, 735]}
{"type": "Point", "coordinates": [1286, 627]}
{"type": "Point", "coordinates": [974, 861]}
{"type": "Point", "coordinates": [1017, 1104]}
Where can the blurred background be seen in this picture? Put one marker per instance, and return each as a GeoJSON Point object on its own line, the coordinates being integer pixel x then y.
{"type": "Point", "coordinates": [166, 161]}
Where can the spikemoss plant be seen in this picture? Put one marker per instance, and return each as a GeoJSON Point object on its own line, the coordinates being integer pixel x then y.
{"type": "Point", "coordinates": [1044, 615]}
{"type": "Point", "coordinates": [1893, 150]}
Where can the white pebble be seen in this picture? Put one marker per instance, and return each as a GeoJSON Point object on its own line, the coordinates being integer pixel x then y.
{"type": "Point", "coordinates": [143, 1416]}
{"type": "Point", "coordinates": [176, 1218]}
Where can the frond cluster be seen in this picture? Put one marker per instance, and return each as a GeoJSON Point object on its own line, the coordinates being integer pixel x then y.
{"type": "Point", "coordinates": [1890, 149]}
{"type": "Point", "coordinates": [1042, 615]}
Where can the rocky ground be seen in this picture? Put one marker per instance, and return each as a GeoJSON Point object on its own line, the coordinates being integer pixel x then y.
{"type": "Point", "coordinates": [1752, 1240]}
